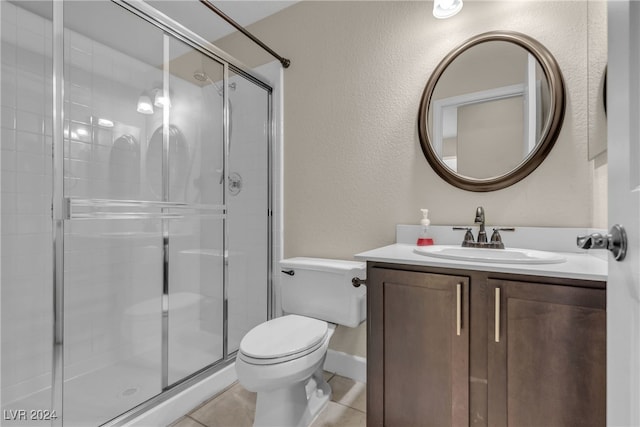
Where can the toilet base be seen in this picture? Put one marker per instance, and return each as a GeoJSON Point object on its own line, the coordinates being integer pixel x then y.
{"type": "Point", "coordinates": [294, 406]}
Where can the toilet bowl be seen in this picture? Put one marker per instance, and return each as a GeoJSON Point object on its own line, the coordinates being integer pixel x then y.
{"type": "Point", "coordinates": [282, 359]}
{"type": "Point", "coordinates": [288, 376]}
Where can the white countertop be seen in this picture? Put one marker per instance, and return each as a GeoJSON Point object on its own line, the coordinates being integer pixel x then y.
{"type": "Point", "coordinates": [578, 265]}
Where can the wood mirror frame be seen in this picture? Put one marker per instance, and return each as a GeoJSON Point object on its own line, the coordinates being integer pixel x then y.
{"type": "Point", "coordinates": [548, 136]}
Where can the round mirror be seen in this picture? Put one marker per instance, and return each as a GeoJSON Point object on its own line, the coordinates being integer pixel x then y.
{"type": "Point", "coordinates": [491, 111]}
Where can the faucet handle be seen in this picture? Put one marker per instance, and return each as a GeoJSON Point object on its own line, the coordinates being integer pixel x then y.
{"type": "Point", "coordinates": [497, 238]}
{"type": "Point", "coordinates": [468, 235]}
{"type": "Point", "coordinates": [497, 229]}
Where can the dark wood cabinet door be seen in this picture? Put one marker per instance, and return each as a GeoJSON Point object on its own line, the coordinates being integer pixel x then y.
{"type": "Point", "coordinates": [418, 349]}
{"type": "Point", "coordinates": [547, 355]}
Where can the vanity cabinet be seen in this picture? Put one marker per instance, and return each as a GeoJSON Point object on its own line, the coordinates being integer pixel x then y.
{"type": "Point", "coordinates": [434, 359]}
{"type": "Point", "coordinates": [547, 355]}
{"type": "Point", "coordinates": [418, 329]}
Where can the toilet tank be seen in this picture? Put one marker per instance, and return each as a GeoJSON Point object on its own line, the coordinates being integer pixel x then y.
{"type": "Point", "coordinates": [322, 288]}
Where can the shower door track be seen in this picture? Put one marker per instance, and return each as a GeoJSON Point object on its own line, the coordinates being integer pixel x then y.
{"type": "Point", "coordinates": [65, 209]}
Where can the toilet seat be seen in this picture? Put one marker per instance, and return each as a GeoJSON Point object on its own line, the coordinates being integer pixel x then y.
{"type": "Point", "coordinates": [283, 339]}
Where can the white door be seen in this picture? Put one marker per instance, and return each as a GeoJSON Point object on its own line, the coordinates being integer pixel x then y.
{"type": "Point", "coordinates": [623, 289]}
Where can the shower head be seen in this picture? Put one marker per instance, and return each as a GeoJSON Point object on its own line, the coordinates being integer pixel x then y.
{"type": "Point", "coordinates": [201, 76]}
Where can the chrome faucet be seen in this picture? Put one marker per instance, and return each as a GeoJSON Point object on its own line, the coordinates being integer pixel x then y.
{"type": "Point", "coordinates": [482, 242]}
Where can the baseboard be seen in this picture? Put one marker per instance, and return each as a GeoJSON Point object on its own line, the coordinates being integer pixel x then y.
{"type": "Point", "coordinates": [347, 365]}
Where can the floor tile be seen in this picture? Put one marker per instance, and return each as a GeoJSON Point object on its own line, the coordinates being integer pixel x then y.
{"type": "Point", "coordinates": [235, 407]}
{"type": "Point", "coordinates": [328, 375]}
{"type": "Point", "coordinates": [186, 422]}
{"type": "Point", "coordinates": [336, 415]}
{"type": "Point", "coordinates": [349, 393]}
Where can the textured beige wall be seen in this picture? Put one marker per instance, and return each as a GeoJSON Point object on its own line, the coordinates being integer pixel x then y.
{"type": "Point", "coordinates": [353, 164]}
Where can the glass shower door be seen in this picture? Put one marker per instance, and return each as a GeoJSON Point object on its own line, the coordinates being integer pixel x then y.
{"type": "Point", "coordinates": [196, 242]}
{"type": "Point", "coordinates": [157, 246]}
{"type": "Point", "coordinates": [113, 240]}
{"type": "Point", "coordinates": [144, 240]}
{"type": "Point", "coordinates": [248, 194]}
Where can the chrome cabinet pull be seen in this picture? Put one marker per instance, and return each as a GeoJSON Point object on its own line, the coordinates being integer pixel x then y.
{"type": "Point", "coordinates": [458, 308]}
{"type": "Point", "coordinates": [497, 314]}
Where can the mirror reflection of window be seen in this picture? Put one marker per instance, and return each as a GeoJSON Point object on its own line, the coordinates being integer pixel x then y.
{"type": "Point", "coordinates": [488, 110]}
{"type": "Point", "coordinates": [486, 135]}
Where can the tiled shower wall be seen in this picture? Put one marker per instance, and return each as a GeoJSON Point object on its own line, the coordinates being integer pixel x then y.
{"type": "Point", "coordinates": [110, 266]}
{"type": "Point", "coordinates": [26, 274]}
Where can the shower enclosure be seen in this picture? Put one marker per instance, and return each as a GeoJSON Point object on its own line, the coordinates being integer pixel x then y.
{"type": "Point", "coordinates": [136, 209]}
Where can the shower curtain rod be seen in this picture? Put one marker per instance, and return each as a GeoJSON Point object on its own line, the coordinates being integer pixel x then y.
{"type": "Point", "coordinates": [284, 61]}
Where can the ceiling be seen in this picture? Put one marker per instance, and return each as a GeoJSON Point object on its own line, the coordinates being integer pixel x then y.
{"type": "Point", "coordinates": [196, 16]}
{"type": "Point", "coordinates": [103, 23]}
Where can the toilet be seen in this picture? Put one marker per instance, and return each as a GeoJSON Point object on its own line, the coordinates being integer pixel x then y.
{"type": "Point", "coordinates": [282, 359]}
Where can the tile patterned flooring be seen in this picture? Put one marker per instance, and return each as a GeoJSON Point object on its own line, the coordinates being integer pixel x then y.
{"type": "Point", "coordinates": [235, 406]}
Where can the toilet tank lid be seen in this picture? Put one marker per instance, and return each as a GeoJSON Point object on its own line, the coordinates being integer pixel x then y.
{"type": "Point", "coordinates": [323, 264]}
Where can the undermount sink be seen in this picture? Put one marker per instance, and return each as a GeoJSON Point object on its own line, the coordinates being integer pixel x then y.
{"type": "Point", "coordinates": [503, 256]}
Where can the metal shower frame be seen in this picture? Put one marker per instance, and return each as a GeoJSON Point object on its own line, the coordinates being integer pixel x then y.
{"type": "Point", "coordinates": [63, 209]}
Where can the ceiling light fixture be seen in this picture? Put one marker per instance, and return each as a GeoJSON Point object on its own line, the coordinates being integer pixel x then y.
{"type": "Point", "coordinates": [161, 100]}
{"type": "Point", "coordinates": [144, 104]}
{"type": "Point", "coordinates": [105, 123]}
{"type": "Point", "coordinates": [443, 9]}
